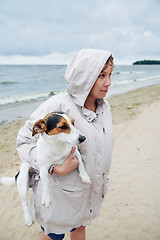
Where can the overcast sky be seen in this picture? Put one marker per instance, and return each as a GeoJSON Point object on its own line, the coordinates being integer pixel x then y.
{"type": "Point", "coordinates": [51, 31]}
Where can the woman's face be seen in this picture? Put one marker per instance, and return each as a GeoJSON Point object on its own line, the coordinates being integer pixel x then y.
{"type": "Point", "coordinates": [100, 88]}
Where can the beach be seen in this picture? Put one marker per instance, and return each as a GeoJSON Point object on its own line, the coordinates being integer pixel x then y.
{"type": "Point", "coordinates": [131, 208]}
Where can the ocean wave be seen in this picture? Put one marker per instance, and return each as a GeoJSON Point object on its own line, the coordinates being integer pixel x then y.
{"type": "Point", "coordinates": [123, 72]}
{"type": "Point", "coordinates": [129, 81]}
{"type": "Point", "coordinates": [25, 98]}
{"type": "Point", "coordinates": [139, 72]}
{"type": "Point", "coordinates": [121, 82]}
{"type": "Point", "coordinates": [8, 82]}
{"type": "Point", "coordinates": [130, 72]}
{"type": "Point", "coordinates": [148, 78]}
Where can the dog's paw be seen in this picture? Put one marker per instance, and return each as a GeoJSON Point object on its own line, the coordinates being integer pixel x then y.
{"type": "Point", "coordinates": [46, 201]}
{"type": "Point", "coordinates": [28, 219]}
{"type": "Point", "coordinates": [85, 178]}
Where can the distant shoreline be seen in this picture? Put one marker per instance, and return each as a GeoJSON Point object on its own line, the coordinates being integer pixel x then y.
{"type": "Point", "coordinates": [147, 62]}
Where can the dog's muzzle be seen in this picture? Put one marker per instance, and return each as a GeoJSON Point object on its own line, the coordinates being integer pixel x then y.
{"type": "Point", "coordinates": [81, 138]}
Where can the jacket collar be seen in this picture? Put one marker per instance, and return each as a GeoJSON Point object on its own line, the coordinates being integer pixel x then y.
{"type": "Point", "coordinates": [90, 115]}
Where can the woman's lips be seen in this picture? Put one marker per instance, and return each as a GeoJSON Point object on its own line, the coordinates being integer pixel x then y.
{"type": "Point", "coordinates": [105, 91]}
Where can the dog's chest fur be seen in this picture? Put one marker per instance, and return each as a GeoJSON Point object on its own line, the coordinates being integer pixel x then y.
{"type": "Point", "coordinates": [51, 151]}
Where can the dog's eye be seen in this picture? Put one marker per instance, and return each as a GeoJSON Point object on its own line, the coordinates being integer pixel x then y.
{"type": "Point", "coordinates": [64, 127]}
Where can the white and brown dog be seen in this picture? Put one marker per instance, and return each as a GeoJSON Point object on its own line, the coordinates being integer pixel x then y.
{"type": "Point", "coordinates": [57, 136]}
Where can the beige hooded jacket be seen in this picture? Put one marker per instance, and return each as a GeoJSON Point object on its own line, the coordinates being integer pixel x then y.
{"type": "Point", "coordinates": [75, 203]}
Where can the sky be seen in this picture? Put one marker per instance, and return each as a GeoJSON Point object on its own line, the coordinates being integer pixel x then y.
{"type": "Point", "coordinates": [52, 31]}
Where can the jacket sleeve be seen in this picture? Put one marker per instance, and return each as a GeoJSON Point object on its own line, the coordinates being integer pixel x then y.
{"type": "Point", "coordinates": [26, 143]}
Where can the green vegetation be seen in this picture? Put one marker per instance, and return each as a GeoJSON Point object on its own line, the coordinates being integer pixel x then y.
{"type": "Point", "coordinates": [147, 62]}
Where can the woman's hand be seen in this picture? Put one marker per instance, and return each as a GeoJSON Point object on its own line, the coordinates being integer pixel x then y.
{"type": "Point", "coordinates": [69, 164]}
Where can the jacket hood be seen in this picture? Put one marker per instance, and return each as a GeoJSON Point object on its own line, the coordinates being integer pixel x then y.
{"type": "Point", "coordinates": [83, 71]}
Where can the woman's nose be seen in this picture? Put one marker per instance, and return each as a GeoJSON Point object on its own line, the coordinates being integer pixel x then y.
{"type": "Point", "coordinates": [107, 82]}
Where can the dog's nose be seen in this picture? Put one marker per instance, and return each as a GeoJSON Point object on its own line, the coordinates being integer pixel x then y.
{"type": "Point", "coordinates": [81, 138]}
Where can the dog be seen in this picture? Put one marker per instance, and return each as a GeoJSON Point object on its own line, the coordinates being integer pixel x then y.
{"type": "Point", "coordinates": [57, 135]}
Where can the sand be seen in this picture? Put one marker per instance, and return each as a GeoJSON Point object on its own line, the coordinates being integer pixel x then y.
{"type": "Point", "coordinates": [131, 210]}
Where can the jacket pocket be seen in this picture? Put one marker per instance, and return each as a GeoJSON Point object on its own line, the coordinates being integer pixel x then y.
{"type": "Point", "coordinates": [69, 206]}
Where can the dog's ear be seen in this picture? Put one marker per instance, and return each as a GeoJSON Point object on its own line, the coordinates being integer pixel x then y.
{"type": "Point", "coordinates": [72, 120]}
{"type": "Point", "coordinates": [39, 126]}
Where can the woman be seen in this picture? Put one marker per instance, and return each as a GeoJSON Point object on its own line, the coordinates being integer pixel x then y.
{"type": "Point", "coordinates": [75, 204]}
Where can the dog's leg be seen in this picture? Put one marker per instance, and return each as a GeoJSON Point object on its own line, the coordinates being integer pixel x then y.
{"type": "Point", "coordinates": [32, 208]}
{"type": "Point", "coordinates": [82, 173]}
{"type": "Point", "coordinates": [22, 186]}
{"type": "Point", "coordinates": [46, 197]}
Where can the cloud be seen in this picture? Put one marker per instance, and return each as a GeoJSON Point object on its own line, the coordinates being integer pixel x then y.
{"type": "Point", "coordinates": [38, 30]}
{"type": "Point", "coordinates": [53, 58]}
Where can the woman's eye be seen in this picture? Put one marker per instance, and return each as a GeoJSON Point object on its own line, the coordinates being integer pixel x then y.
{"type": "Point", "coordinates": [102, 75]}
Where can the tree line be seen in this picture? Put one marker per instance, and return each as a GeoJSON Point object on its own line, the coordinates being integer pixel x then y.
{"type": "Point", "coordinates": [146, 62]}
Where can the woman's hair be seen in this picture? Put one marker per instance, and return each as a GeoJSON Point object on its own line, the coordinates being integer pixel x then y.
{"type": "Point", "coordinates": [109, 62]}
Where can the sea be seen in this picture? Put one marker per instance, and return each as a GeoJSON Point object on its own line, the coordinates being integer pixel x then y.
{"type": "Point", "coordinates": [24, 87]}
